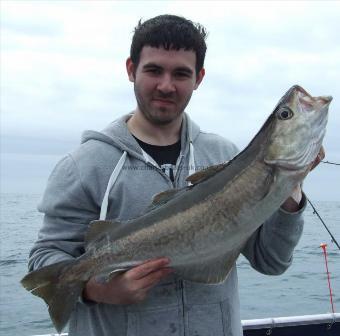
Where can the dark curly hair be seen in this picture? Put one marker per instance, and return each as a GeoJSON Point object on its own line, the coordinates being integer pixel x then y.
{"type": "Point", "coordinates": [170, 32]}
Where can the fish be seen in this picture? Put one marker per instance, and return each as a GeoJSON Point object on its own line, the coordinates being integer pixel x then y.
{"type": "Point", "coordinates": [202, 227]}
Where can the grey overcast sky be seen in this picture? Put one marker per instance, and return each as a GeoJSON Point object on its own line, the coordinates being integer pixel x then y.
{"type": "Point", "coordinates": [63, 71]}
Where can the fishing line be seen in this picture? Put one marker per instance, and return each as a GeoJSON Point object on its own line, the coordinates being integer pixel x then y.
{"type": "Point", "coordinates": [332, 163]}
{"type": "Point", "coordinates": [316, 212]}
{"type": "Point", "coordinates": [324, 224]}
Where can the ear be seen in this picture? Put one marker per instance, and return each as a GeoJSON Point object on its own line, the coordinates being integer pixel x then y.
{"type": "Point", "coordinates": [199, 78]}
{"type": "Point", "coordinates": [130, 68]}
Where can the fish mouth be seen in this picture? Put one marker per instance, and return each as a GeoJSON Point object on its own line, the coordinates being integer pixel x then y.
{"type": "Point", "coordinates": [306, 101]}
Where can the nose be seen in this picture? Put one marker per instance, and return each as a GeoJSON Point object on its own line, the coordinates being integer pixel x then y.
{"type": "Point", "coordinates": [166, 84]}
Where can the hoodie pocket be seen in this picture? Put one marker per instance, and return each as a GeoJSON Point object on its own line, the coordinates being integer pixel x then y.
{"type": "Point", "coordinates": [157, 322]}
{"type": "Point", "coordinates": [205, 320]}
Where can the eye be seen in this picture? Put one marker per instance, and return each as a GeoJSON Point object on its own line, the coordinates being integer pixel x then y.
{"type": "Point", "coordinates": [155, 71]}
{"type": "Point", "coordinates": [181, 74]}
{"type": "Point", "coordinates": [285, 113]}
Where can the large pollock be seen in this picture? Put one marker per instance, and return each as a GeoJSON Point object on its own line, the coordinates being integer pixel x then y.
{"type": "Point", "coordinates": [201, 228]}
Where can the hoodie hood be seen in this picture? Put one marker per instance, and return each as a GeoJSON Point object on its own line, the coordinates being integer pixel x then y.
{"type": "Point", "coordinates": [118, 135]}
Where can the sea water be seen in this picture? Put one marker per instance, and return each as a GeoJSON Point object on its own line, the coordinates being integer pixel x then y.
{"type": "Point", "coordinates": [301, 290]}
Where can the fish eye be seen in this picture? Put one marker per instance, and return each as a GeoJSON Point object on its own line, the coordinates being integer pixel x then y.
{"type": "Point", "coordinates": [285, 113]}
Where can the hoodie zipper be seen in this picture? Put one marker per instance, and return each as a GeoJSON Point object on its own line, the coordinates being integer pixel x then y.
{"type": "Point", "coordinates": [178, 168]}
{"type": "Point", "coordinates": [181, 282]}
{"type": "Point", "coordinates": [183, 306]}
{"type": "Point", "coordinates": [174, 185]}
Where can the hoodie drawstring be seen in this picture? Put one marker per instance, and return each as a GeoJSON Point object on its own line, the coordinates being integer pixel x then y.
{"type": "Point", "coordinates": [112, 180]}
{"type": "Point", "coordinates": [192, 167]}
{"type": "Point", "coordinates": [120, 164]}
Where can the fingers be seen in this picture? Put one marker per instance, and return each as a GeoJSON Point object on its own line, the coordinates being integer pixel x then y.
{"type": "Point", "coordinates": [143, 270]}
{"type": "Point", "coordinates": [142, 278]}
{"type": "Point", "coordinates": [148, 282]}
{"type": "Point", "coordinates": [152, 279]}
{"type": "Point", "coordinates": [322, 151]}
{"type": "Point", "coordinates": [319, 158]}
{"type": "Point", "coordinates": [133, 286]}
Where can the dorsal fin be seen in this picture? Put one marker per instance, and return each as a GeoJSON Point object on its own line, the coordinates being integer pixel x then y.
{"type": "Point", "coordinates": [98, 227]}
{"type": "Point", "coordinates": [205, 173]}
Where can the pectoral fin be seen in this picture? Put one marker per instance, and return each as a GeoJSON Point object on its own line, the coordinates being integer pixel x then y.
{"type": "Point", "coordinates": [164, 196]}
{"type": "Point", "coordinates": [205, 173]}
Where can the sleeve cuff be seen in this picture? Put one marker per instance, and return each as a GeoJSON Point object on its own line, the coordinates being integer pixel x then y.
{"type": "Point", "coordinates": [302, 206]}
{"type": "Point", "coordinates": [86, 302]}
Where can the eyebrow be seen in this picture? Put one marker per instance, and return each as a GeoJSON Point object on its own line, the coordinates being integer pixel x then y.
{"type": "Point", "coordinates": [156, 66]}
{"type": "Point", "coordinates": [151, 65]}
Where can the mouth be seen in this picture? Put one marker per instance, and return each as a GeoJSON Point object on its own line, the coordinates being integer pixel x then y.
{"type": "Point", "coordinates": [160, 101]}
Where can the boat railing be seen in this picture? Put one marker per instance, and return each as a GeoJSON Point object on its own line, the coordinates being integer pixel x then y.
{"type": "Point", "coordinates": [268, 324]}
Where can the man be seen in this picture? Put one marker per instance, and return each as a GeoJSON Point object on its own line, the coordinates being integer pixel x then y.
{"type": "Point", "coordinates": [115, 173]}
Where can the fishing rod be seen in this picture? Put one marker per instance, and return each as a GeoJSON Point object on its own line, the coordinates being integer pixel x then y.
{"type": "Point", "coordinates": [324, 224]}
{"type": "Point", "coordinates": [316, 212]}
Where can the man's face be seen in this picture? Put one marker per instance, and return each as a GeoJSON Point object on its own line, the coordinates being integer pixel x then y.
{"type": "Point", "coordinates": [163, 82]}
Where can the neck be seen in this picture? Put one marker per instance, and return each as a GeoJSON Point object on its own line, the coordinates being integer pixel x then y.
{"type": "Point", "coordinates": [160, 135]}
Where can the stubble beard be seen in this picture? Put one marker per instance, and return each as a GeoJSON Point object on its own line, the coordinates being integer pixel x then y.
{"type": "Point", "coordinates": [158, 116]}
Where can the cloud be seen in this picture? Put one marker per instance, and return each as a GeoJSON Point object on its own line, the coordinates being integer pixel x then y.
{"type": "Point", "coordinates": [63, 64]}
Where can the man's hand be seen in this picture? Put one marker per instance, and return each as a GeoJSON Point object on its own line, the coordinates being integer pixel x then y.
{"type": "Point", "coordinates": [319, 158]}
{"type": "Point", "coordinates": [292, 203]}
{"type": "Point", "coordinates": [129, 287]}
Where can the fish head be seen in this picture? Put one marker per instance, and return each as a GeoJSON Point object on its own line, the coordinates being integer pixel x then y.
{"type": "Point", "coordinates": [298, 128]}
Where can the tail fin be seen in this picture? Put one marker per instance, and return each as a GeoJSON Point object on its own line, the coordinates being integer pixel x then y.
{"type": "Point", "coordinates": [59, 295]}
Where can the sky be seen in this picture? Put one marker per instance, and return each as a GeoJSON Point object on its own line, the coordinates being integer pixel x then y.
{"type": "Point", "coordinates": [63, 71]}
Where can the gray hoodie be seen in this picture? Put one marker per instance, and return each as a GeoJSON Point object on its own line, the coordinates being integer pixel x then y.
{"type": "Point", "coordinates": [109, 176]}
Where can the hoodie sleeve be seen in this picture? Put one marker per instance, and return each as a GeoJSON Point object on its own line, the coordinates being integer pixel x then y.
{"type": "Point", "coordinates": [67, 208]}
{"type": "Point", "coordinates": [270, 248]}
